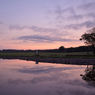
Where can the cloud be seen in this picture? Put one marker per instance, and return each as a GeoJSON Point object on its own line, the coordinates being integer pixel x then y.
{"type": "Point", "coordinates": [92, 14]}
{"type": "Point", "coordinates": [41, 38]}
{"type": "Point", "coordinates": [34, 28]}
{"type": "Point", "coordinates": [82, 16]}
{"type": "Point", "coordinates": [69, 10]}
{"type": "Point", "coordinates": [1, 33]}
{"type": "Point", "coordinates": [87, 24]}
{"type": "Point", "coordinates": [40, 29]}
{"type": "Point", "coordinates": [63, 13]}
{"type": "Point", "coordinates": [75, 17]}
{"type": "Point", "coordinates": [87, 6]}
{"type": "Point", "coordinates": [17, 27]}
{"type": "Point", "coordinates": [1, 22]}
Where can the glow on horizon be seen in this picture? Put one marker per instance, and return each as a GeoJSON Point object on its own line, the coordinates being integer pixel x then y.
{"type": "Point", "coordinates": [44, 24]}
{"type": "Point", "coordinates": [42, 46]}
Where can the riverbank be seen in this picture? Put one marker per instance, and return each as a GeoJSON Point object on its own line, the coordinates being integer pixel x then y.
{"type": "Point", "coordinates": [76, 61]}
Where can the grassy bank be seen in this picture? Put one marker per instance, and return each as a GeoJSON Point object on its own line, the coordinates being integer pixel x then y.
{"type": "Point", "coordinates": [50, 55]}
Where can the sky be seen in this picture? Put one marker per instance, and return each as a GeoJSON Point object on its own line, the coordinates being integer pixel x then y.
{"type": "Point", "coordinates": [44, 24]}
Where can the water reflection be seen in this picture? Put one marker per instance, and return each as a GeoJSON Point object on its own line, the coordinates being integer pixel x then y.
{"type": "Point", "coordinates": [44, 69]}
{"type": "Point", "coordinates": [32, 81]}
{"type": "Point", "coordinates": [36, 62]}
{"type": "Point", "coordinates": [89, 75]}
{"type": "Point", "coordinates": [26, 78]}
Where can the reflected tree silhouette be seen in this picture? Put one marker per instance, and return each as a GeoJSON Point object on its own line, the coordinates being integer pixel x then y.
{"type": "Point", "coordinates": [89, 75]}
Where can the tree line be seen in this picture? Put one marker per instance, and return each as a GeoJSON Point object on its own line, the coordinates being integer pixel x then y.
{"type": "Point", "coordinates": [61, 49]}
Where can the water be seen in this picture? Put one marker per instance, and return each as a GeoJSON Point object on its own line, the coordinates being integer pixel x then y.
{"type": "Point", "coordinates": [18, 77]}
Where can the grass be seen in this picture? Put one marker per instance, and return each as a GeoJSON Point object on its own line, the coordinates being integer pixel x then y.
{"type": "Point", "coordinates": [50, 55]}
{"type": "Point", "coordinates": [16, 54]}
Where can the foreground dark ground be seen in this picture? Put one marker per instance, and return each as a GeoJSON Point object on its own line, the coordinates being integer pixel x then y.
{"type": "Point", "coordinates": [79, 58]}
{"type": "Point", "coordinates": [76, 61]}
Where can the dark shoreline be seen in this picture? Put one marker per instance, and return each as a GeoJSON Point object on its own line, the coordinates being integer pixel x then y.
{"type": "Point", "coordinates": [76, 61]}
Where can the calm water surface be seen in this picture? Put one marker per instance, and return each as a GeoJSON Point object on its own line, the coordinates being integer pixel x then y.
{"type": "Point", "coordinates": [18, 77]}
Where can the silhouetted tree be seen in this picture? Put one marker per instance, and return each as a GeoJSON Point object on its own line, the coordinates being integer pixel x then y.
{"type": "Point", "coordinates": [89, 38]}
{"type": "Point", "coordinates": [61, 49]}
{"type": "Point", "coordinates": [89, 75]}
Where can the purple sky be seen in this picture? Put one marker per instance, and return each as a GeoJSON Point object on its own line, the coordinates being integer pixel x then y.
{"type": "Point", "coordinates": [44, 24]}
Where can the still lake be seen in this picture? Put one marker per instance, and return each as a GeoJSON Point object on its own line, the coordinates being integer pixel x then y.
{"type": "Point", "coordinates": [20, 77]}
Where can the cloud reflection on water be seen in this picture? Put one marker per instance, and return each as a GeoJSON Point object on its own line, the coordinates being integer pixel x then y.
{"type": "Point", "coordinates": [36, 70]}
{"type": "Point", "coordinates": [73, 87]}
{"type": "Point", "coordinates": [43, 79]}
{"type": "Point", "coordinates": [32, 81]}
{"type": "Point", "coordinates": [61, 87]}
